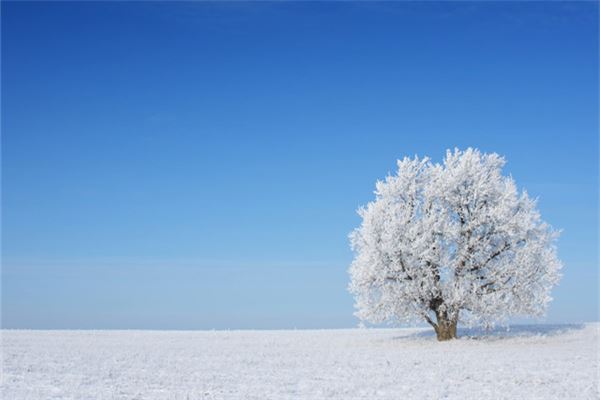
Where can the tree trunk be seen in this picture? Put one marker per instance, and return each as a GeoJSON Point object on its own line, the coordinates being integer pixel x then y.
{"type": "Point", "coordinates": [446, 327]}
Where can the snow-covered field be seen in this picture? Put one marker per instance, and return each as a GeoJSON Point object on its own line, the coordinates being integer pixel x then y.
{"type": "Point", "coordinates": [543, 362]}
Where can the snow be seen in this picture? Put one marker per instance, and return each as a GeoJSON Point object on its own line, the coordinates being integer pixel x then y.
{"type": "Point", "coordinates": [529, 362]}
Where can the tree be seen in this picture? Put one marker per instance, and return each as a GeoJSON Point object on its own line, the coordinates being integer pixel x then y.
{"type": "Point", "coordinates": [451, 242]}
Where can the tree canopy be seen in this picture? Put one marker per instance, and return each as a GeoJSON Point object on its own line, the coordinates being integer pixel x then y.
{"type": "Point", "coordinates": [451, 242]}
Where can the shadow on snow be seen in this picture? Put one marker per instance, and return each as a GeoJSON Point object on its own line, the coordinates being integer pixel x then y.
{"type": "Point", "coordinates": [503, 332]}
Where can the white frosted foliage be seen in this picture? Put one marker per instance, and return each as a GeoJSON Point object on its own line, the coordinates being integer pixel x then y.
{"type": "Point", "coordinates": [455, 239]}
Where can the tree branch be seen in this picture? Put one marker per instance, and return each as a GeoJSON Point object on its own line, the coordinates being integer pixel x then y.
{"type": "Point", "coordinates": [429, 321]}
{"type": "Point", "coordinates": [492, 257]}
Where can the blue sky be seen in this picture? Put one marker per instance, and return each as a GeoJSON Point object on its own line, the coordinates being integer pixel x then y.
{"type": "Point", "coordinates": [198, 165]}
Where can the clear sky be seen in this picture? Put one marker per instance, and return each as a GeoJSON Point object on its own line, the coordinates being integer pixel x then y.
{"type": "Point", "coordinates": [198, 165]}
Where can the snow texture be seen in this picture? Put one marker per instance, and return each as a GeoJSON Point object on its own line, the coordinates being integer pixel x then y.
{"type": "Point", "coordinates": [535, 362]}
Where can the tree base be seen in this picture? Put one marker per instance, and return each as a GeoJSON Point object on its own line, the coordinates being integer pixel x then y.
{"type": "Point", "coordinates": [446, 330]}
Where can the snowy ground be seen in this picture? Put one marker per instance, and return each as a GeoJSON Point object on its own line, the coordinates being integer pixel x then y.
{"type": "Point", "coordinates": [543, 362]}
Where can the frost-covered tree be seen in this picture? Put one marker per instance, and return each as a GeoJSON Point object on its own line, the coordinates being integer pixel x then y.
{"type": "Point", "coordinates": [451, 242]}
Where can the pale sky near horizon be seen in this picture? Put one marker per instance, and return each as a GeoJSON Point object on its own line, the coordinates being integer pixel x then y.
{"type": "Point", "coordinates": [199, 165]}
